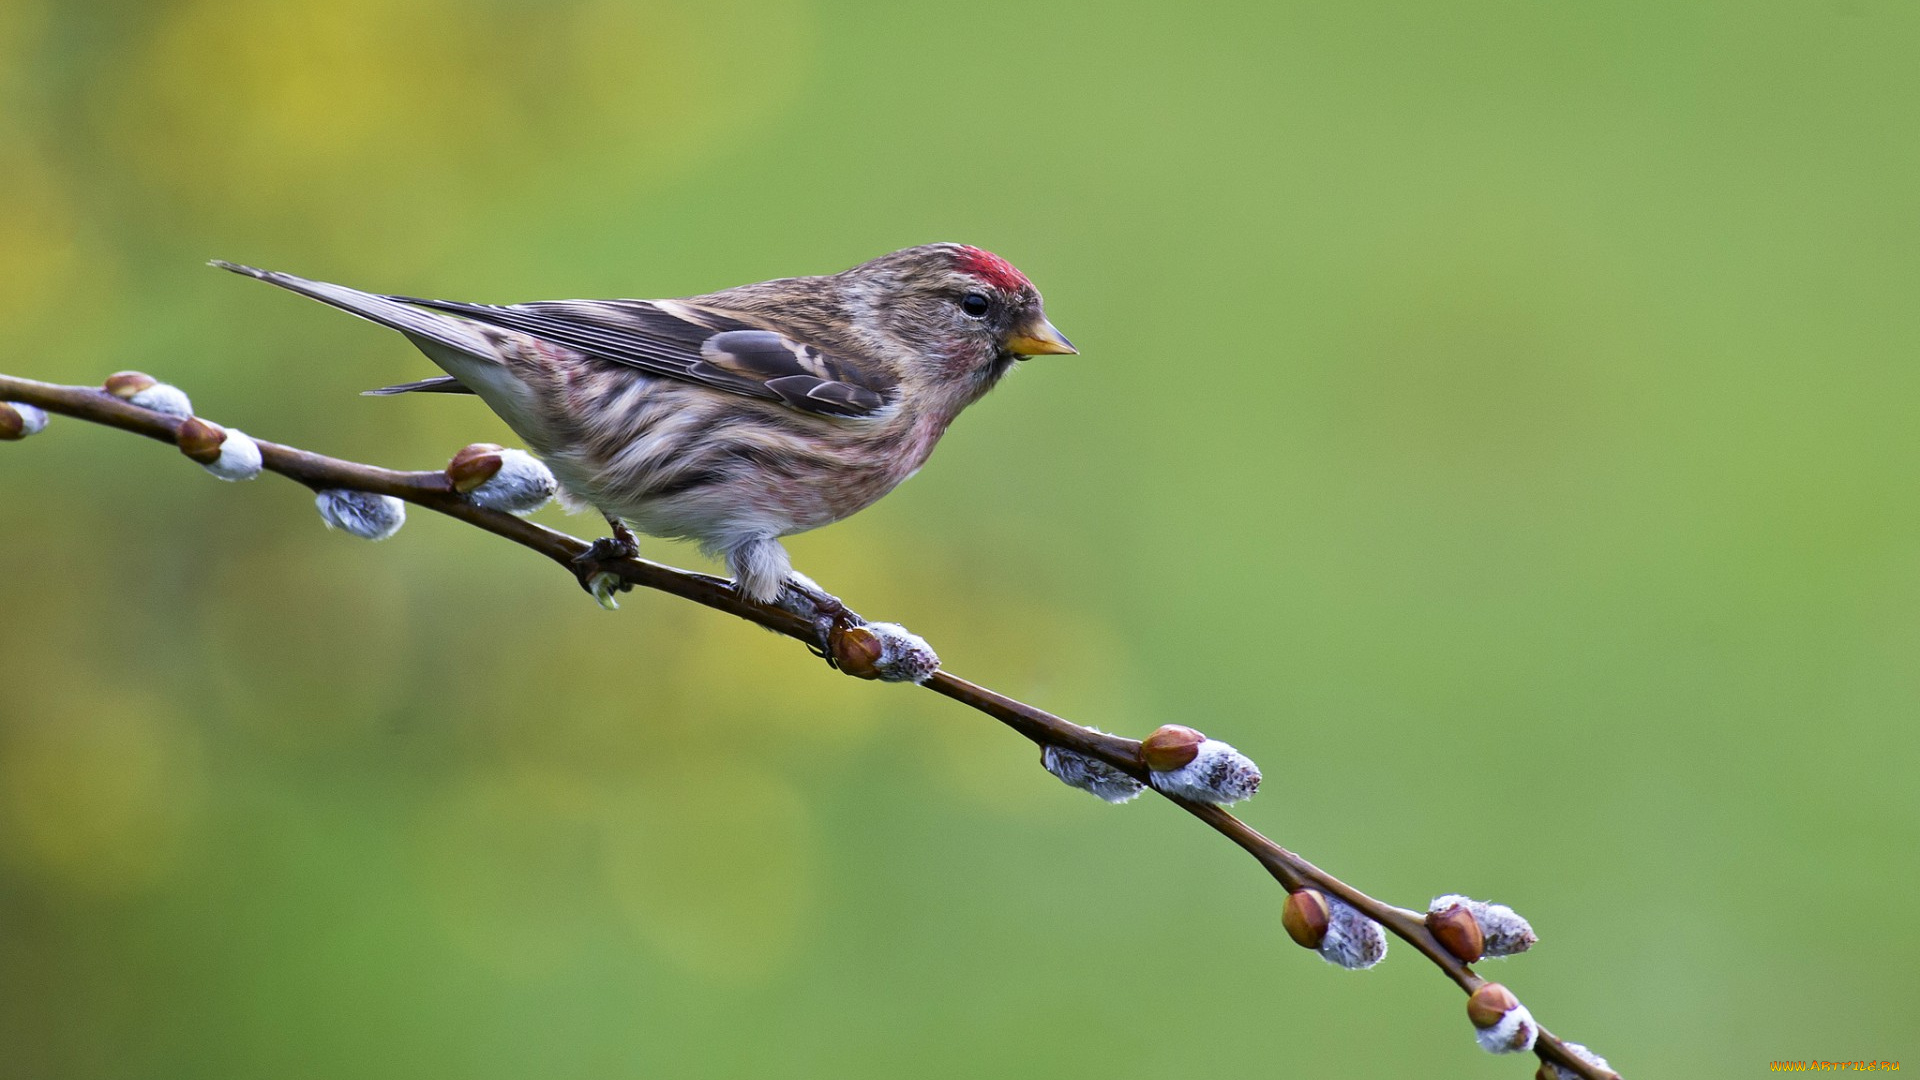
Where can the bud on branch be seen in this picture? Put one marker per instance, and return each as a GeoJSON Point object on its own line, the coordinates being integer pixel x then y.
{"type": "Point", "coordinates": [1182, 762]}
{"type": "Point", "coordinates": [1501, 1023]}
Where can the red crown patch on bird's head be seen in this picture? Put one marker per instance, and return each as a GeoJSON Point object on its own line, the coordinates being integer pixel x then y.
{"type": "Point", "coordinates": [991, 269]}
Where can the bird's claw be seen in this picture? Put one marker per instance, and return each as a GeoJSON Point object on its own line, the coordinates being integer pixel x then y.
{"type": "Point", "coordinates": [851, 644]}
{"type": "Point", "coordinates": [609, 548]}
{"type": "Point", "coordinates": [592, 567]}
{"type": "Point", "coordinates": [605, 586]}
{"type": "Point", "coordinates": [831, 618]}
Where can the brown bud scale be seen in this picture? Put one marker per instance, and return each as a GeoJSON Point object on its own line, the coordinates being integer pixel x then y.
{"type": "Point", "coordinates": [1459, 932]}
{"type": "Point", "coordinates": [200, 440]}
{"type": "Point", "coordinates": [1489, 1003]}
{"type": "Point", "coordinates": [473, 465]}
{"type": "Point", "coordinates": [1170, 747]}
{"type": "Point", "coordinates": [125, 384]}
{"type": "Point", "coordinates": [1305, 917]}
{"type": "Point", "coordinates": [857, 651]}
{"type": "Point", "coordinates": [12, 424]}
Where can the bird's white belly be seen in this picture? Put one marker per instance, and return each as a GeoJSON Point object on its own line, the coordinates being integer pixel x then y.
{"type": "Point", "coordinates": [689, 474]}
{"type": "Point", "coordinates": [717, 516]}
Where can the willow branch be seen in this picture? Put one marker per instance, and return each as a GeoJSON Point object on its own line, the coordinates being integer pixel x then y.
{"type": "Point", "coordinates": [434, 491]}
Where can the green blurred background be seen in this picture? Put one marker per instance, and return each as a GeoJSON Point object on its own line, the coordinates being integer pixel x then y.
{"type": "Point", "coordinates": [1497, 418]}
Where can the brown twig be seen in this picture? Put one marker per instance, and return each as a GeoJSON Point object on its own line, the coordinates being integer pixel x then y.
{"type": "Point", "coordinates": [433, 491]}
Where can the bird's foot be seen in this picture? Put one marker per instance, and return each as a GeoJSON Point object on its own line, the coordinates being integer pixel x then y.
{"type": "Point", "coordinates": [849, 643]}
{"type": "Point", "coordinates": [592, 565]}
{"type": "Point", "coordinates": [830, 616]}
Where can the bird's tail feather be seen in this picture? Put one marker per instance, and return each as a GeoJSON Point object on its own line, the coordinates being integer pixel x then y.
{"type": "Point", "coordinates": [439, 384]}
{"type": "Point", "coordinates": [471, 354]}
{"type": "Point", "coordinates": [417, 323]}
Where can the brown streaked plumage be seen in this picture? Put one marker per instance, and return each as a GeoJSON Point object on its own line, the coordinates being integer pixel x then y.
{"type": "Point", "coordinates": [741, 416]}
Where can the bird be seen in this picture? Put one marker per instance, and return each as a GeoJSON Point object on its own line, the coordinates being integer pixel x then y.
{"type": "Point", "coordinates": [734, 418]}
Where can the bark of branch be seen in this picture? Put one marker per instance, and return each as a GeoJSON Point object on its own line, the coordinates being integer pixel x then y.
{"type": "Point", "coordinates": [434, 491]}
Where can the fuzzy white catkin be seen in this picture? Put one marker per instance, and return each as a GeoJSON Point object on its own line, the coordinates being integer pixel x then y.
{"type": "Point", "coordinates": [1353, 940]}
{"type": "Point", "coordinates": [904, 655]}
{"type": "Point", "coordinates": [1217, 774]}
{"type": "Point", "coordinates": [1515, 1032]}
{"type": "Point", "coordinates": [1561, 1072]}
{"type": "Point", "coordinates": [1090, 774]}
{"type": "Point", "coordinates": [164, 398]}
{"type": "Point", "coordinates": [361, 513]}
{"type": "Point", "coordinates": [1506, 933]}
{"type": "Point", "coordinates": [33, 419]}
{"type": "Point", "coordinates": [239, 457]}
{"type": "Point", "coordinates": [523, 484]}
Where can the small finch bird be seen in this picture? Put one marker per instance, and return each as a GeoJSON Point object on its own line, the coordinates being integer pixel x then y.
{"type": "Point", "coordinates": [741, 416]}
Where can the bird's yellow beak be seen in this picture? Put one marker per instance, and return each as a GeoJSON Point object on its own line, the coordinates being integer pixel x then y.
{"type": "Point", "coordinates": [1039, 338]}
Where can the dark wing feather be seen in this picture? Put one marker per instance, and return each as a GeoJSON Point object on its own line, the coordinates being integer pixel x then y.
{"type": "Point", "coordinates": [801, 376]}
{"type": "Point", "coordinates": [694, 344]}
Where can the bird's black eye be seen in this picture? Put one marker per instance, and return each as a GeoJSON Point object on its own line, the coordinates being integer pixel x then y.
{"type": "Point", "coordinates": [975, 305]}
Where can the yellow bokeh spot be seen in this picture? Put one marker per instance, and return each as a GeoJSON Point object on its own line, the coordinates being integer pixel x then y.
{"type": "Point", "coordinates": [352, 103]}
{"type": "Point", "coordinates": [97, 790]}
{"type": "Point", "coordinates": [38, 234]}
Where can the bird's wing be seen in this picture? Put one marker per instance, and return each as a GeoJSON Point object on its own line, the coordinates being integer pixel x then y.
{"type": "Point", "coordinates": [685, 341]}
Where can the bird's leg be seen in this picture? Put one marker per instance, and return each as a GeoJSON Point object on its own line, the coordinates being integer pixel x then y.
{"type": "Point", "coordinates": [849, 643]}
{"type": "Point", "coordinates": [830, 615]}
{"type": "Point", "coordinates": [626, 545]}
{"type": "Point", "coordinates": [763, 573]}
{"type": "Point", "coordinates": [591, 564]}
